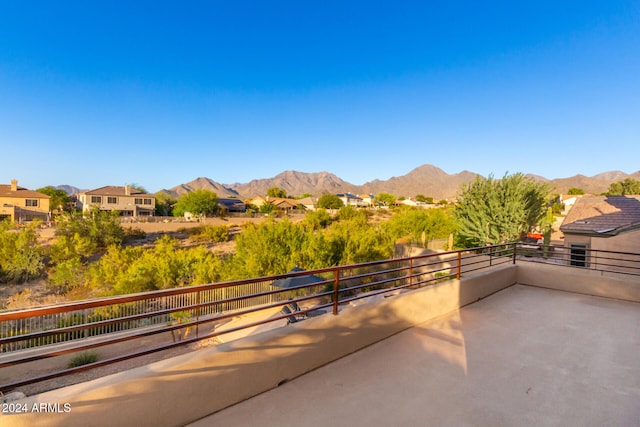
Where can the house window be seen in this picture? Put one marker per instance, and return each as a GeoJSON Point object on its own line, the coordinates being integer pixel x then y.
{"type": "Point", "coordinates": [31, 202]}
{"type": "Point", "coordinates": [96, 199]}
{"type": "Point", "coordinates": [147, 201]}
{"type": "Point", "coordinates": [578, 256]}
{"type": "Point", "coordinates": [112, 200]}
{"type": "Point", "coordinates": [138, 201]}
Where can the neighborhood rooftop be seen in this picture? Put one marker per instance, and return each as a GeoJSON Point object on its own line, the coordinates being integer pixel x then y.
{"type": "Point", "coordinates": [603, 214]}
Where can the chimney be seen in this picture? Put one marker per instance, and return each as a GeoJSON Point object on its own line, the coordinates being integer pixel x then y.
{"type": "Point", "coordinates": [127, 190]}
{"type": "Point", "coordinates": [14, 185]}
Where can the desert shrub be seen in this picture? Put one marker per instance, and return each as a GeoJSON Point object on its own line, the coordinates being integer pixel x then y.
{"type": "Point", "coordinates": [101, 228]}
{"type": "Point", "coordinates": [136, 233]}
{"type": "Point", "coordinates": [68, 247]}
{"type": "Point", "coordinates": [349, 213]}
{"type": "Point", "coordinates": [416, 223]}
{"type": "Point", "coordinates": [66, 275]}
{"type": "Point", "coordinates": [211, 233]}
{"type": "Point", "coordinates": [442, 276]}
{"type": "Point", "coordinates": [166, 265]}
{"type": "Point", "coordinates": [83, 358]}
{"type": "Point", "coordinates": [317, 220]}
{"type": "Point", "coordinates": [21, 257]}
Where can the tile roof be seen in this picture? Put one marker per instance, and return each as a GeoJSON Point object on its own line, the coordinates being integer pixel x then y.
{"type": "Point", "coordinates": [111, 190]}
{"type": "Point", "coordinates": [5, 191]}
{"type": "Point", "coordinates": [603, 215]}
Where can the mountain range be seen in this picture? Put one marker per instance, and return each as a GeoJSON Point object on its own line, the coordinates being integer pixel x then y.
{"type": "Point", "coordinates": [427, 180]}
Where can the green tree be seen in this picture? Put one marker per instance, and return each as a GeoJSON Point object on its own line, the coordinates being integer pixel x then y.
{"type": "Point", "coordinates": [573, 191]}
{"type": "Point", "coordinates": [491, 211]}
{"type": "Point", "coordinates": [384, 199]}
{"type": "Point", "coordinates": [164, 203]}
{"type": "Point", "coordinates": [330, 201]}
{"type": "Point", "coordinates": [276, 192]}
{"type": "Point", "coordinates": [267, 207]}
{"type": "Point", "coordinates": [416, 224]}
{"type": "Point", "coordinates": [59, 199]}
{"type": "Point", "coordinates": [137, 187]}
{"type": "Point", "coordinates": [424, 199]}
{"type": "Point", "coordinates": [627, 187]}
{"type": "Point", "coordinates": [302, 196]}
{"type": "Point", "coordinates": [197, 202]}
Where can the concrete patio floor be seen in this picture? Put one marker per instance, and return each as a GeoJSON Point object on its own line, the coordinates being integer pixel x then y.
{"type": "Point", "coordinates": [524, 356]}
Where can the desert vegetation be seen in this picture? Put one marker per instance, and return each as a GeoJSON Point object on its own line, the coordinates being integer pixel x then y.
{"type": "Point", "coordinates": [95, 256]}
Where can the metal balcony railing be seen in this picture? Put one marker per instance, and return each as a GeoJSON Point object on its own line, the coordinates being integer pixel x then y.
{"type": "Point", "coordinates": [205, 311]}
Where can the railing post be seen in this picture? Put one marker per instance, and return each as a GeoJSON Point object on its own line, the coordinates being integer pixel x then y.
{"type": "Point", "coordinates": [336, 286]}
{"type": "Point", "coordinates": [490, 256]}
{"type": "Point", "coordinates": [459, 264]}
{"type": "Point", "coordinates": [411, 271]}
{"type": "Point", "coordinates": [197, 312]}
{"type": "Point", "coordinates": [515, 248]}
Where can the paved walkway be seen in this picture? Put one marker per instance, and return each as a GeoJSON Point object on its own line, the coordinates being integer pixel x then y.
{"type": "Point", "coordinates": [522, 357]}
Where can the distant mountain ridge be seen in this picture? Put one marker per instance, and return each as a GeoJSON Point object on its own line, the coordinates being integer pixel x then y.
{"type": "Point", "coordinates": [69, 189]}
{"type": "Point", "coordinates": [427, 180]}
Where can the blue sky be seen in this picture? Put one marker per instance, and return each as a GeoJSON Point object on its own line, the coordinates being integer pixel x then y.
{"type": "Point", "coordinates": [159, 93]}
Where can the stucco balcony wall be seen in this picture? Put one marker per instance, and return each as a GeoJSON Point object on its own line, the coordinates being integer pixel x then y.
{"type": "Point", "coordinates": [186, 388]}
{"type": "Point", "coordinates": [579, 280]}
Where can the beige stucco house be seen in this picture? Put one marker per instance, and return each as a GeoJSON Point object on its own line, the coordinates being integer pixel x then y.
{"type": "Point", "coordinates": [126, 200]}
{"type": "Point", "coordinates": [279, 203]}
{"type": "Point", "coordinates": [20, 204]}
{"type": "Point", "coordinates": [309, 203]}
{"type": "Point", "coordinates": [349, 199]}
{"type": "Point", "coordinates": [602, 223]}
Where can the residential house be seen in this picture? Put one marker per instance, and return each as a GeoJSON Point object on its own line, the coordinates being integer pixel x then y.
{"type": "Point", "coordinates": [351, 200]}
{"type": "Point", "coordinates": [279, 203]}
{"type": "Point", "coordinates": [605, 223]}
{"type": "Point", "coordinates": [367, 199]}
{"type": "Point", "coordinates": [414, 203]}
{"type": "Point", "coordinates": [231, 205]}
{"type": "Point", "coordinates": [568, 200]}
{"type": "Point", "coordinates": [126, 200]}
{"type": "Point", "coordinates": [20, 204]}
{"type": "Point", "coordinates": [309, 203]}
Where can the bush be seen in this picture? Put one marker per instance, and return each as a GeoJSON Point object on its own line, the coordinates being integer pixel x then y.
{"type": "Point", "coordinates": [211, 233]}
{"type": "Point", "coordinates": [83, 358]}
{"type": "Point", "coordinates": [99, 228]}
{"type": "Point", "coordinates": [21, 256]}
{"type": "Point", "coordinates": [134, 233]}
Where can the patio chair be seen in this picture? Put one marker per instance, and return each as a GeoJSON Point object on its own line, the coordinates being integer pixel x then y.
{"type": "Point", "coordinates": [296, 309]}
{"type": "Point", "coordinates": [292, 318]}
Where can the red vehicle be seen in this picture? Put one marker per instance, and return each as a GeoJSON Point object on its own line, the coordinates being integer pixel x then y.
{"type": "Point", "coordinates": [532, 241]}
{"type": "Point", "coordinates": [539, 237]}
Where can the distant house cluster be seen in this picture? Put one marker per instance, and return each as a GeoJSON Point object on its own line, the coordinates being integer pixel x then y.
{"type": "Point", "coordinates": [19, 204]}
